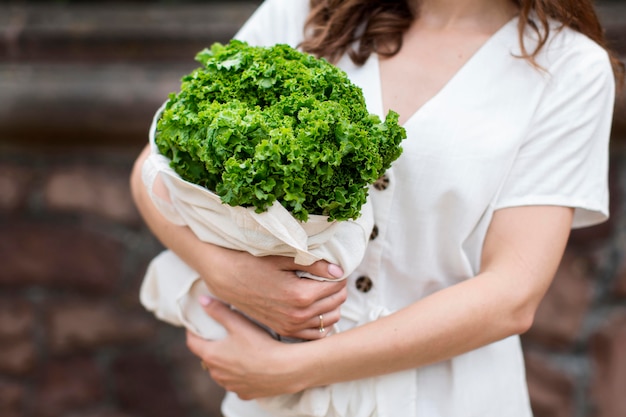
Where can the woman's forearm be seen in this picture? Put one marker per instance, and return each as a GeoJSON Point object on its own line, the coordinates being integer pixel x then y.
{"type": "Point", "coordinates": [499, 302]}
{"type": "Point", "coordinates": [450, 322]}
{"type": "Point", "coordinates": [180, 238]}
{"type": "Point", "coordinates": [445, 324]}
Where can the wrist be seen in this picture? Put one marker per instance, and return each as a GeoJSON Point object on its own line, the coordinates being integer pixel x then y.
{"type": "Point", "coordinates": [306, 364]}
{"type": "Point", "coordinates": [213, 269]}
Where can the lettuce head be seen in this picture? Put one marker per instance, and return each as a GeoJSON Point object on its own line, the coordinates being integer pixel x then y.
{"type": "Point", "coordinates": [257, 125]}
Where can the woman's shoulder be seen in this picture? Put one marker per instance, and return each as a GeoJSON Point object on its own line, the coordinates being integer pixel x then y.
{"type": "Point", "coordinates": [567, 48]}
{"type": "Point", "coordinates": [276, 21]}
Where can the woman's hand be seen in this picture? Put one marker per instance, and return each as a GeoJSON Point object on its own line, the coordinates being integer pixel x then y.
{"type": "Point", "coordinates": [248, 361]}
{"type": "Point", "coordinates": [266, 289]}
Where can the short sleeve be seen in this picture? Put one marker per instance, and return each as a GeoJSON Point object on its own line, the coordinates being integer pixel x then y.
{"type": "Point", "coordinates": [564, 157]}
{"type": "Point", "coordinates": [275, 21]}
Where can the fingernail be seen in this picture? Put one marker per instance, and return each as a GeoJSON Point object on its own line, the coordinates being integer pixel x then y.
{"type": "Point", "coordinates": [204, 300]}
{"type": "Point", "coordinates": [335, 270]}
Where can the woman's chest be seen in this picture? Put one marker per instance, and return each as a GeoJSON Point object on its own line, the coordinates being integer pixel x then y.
{"type": "Point", "coordinates": [422, 69]}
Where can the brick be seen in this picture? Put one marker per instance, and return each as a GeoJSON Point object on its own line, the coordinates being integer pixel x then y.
{"type": "Point", "coordinates": [106, 31]}
{"type": "Point", "coordinates": [18, 356]}
{"type": "Point", "coordinates": [17, 322]}
{"type": "Point", "coordinates": [95, 73]}
{"type": "Point", "coordinates": [12, 397]}
{"type": "Point", "coordinates": [607, 349]}
{"type": "Point", "coordinates": [551, 390]}
{"type": "Point", "coordinates": [560, 315]}
{"type": "Point", "coordinates": [15, 184]}
{"type": "Point", "coordinates": [78, 325]}
{"type": "Point", "coordinates": [197, 386]}
{"type": "Point", "coordinates": [16, 319]}
{"type": "Point", "coordinates": [100, 412]}
{"type": "Point", "coordinates": [620, 283]}
{"type": "Point", "coordinates": [102, 191]}
{"type": "Point", "coordinates": [58, 256]}
{"type": "Point", "coordinates": [65, 385]}
{"type": "Point", "coordinates": [69, 105]}
{"type": "Point", "coordinates": [144, 387]}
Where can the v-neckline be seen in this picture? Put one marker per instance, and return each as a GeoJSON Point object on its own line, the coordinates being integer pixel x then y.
{"type": "Point", "coordinates": [447, 85]}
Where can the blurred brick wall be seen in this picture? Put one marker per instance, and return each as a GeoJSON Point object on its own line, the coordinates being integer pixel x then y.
{"type": "Point", "coordinates": [73, 339]}
{"type": "Point", "coordinates": [78, 86]}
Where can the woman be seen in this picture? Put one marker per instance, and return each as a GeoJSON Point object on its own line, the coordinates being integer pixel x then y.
{"type": "Point", "coordinates": [507, 106]}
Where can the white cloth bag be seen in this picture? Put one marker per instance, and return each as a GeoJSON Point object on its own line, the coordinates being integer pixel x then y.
{"type": "Point", "coordinates": [171, 288]}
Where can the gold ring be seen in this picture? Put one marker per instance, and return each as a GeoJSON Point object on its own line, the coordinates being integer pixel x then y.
{"type": "Point", "coordinates": [204, 367]}
{"type": "Point", "coordinates": [321, 323]}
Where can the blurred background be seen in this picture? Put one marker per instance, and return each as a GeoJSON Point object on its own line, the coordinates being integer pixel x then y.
{"type": "Point", "coordinates": [79, 83]}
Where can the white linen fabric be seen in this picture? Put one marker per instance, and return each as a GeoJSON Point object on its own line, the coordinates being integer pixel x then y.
{"type": "Point", "coordinates": [501, 133]}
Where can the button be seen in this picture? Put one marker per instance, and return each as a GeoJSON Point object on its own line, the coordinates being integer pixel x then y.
{"type": "Point", "coordinates": [382, 183]}
{"type": "Point", "coordinates": [364, 284]}
{"type": "Point", "coordinates": [374, 233]}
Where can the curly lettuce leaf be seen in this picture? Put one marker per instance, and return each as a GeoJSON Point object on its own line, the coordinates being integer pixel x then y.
{"type": "Point", "coordinates": [257, 125]}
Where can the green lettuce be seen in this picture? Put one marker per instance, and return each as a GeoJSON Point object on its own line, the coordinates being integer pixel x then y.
{"type": "Point", "coordinates": [262, 124]}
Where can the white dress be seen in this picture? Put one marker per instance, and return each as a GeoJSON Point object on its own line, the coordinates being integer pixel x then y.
{"type": "Point", "coordinates": [499, 134]}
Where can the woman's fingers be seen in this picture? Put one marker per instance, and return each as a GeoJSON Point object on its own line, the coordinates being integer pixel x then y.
{"type": "Point", "coordinates": [316, 327]}
{"type": "Point", "coordinates": [219, 311]}
{"type": "Point", "coordinates": [323, 269]}
{"type": "Point", "coordinates": [231, 320]}
{"type": "Point", "coordinates": [294, 302]}
{"type": "Point", "coordinates": [196, 344]}
{"type": "Point", "coordinates": [268, 290]}
{"type": "Point", "coordinates": [319, 326]}
{"type": "Point", "coordinates": [305, 318]}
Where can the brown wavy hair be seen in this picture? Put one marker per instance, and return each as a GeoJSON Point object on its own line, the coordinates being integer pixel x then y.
{"type": "Point", "coordinates": [333, 27]}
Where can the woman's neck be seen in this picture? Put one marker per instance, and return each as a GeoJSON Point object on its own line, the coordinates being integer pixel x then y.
{"type": "Point", "coordinates": [465, 14]}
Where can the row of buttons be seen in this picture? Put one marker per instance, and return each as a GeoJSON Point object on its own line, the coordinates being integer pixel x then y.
{"type": "Point", "coordinates": [365, 283]}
